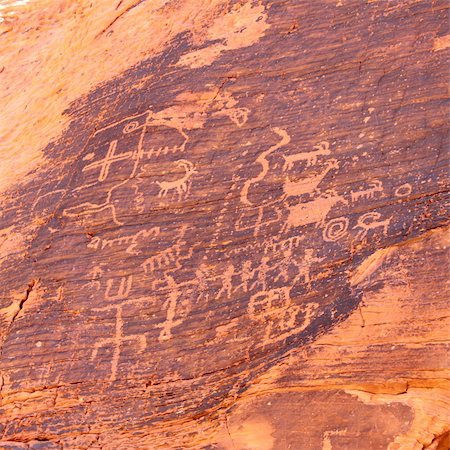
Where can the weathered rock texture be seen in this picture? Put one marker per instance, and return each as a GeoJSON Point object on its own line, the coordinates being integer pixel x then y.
{"type": "Point", "coordinates": [223, 224]}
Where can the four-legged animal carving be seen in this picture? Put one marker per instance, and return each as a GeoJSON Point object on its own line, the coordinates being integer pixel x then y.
{"type": "Point", "coordinates": [370, 221]}
{"type": "Point", "coordinates": [314, 211]}
{"type": "Point", "coordinates": [374, 186]}
{"type": "Point", "coordinates": [323, 148]}
{"type": "Point", "coordinates": [307, 185]}
{"type": "Point", "coordinates": [180, 186]}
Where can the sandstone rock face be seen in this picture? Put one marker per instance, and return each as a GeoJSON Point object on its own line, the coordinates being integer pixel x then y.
{"type": "Point", "coordinates": [224, 225]}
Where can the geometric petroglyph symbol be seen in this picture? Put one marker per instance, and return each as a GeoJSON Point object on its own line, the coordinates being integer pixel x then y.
{"type": "Point", "coordinates": [335, 229]}
{"type": "Point", "coordinates": [135, 156]}
{"type": "Point", "coordinates": [109, 159]}
{"type": "Point", "coordinates": [117, 340]}
{"type": "Point", "coordinates": [170, 255]}
{"type": "Point", "coordinates": [122, 291]}
{"type": "Point", "coordinates": [180, 186]}
{"type": "Point", "coordinates": [404, 190]}
{"type": "Point", "coordinates": [238, 116]}
{"type": "Point", "coordinates": [370, 221]}
{"type": "Point", "coordinates": [266, 304]}
{"type": "Point", "coordinates": [278, 313]}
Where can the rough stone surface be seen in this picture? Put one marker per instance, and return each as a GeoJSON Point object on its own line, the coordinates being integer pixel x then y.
{"type": "Point", "coordinates": [224, 225]}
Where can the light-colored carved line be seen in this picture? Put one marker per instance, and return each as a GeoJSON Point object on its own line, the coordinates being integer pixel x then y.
{"type": "Point", "coordinates": [261, 159]}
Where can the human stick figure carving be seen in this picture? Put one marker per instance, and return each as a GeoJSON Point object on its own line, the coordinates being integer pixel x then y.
{"type": "Point", "coordinates": [370, 221]}
{"type": "Point", "coordinates": [321, 149]}
{"type": "Point", "coordinates": [181, 186]}
{"type": "Point", "coordinates": [262, 160]}
{"type": "Point", "coordinates": [171, 309]}
{"type": "Point", "coordinates": [227, 281]}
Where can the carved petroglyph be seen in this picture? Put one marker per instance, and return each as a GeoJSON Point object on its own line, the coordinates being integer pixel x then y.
{"type": "Point", "coordinates": [321, 149]}
{"type": "Point", "coordinates": [370, 221]}
{"type": "Point", "coordinates": [314, 211]}
{"type": "Point", "coordinates": [94, 278]}
{"type": "Point", "coordinates": [117, 340]}
{"type": "Point", "coordinates": [403, 191]}
{"type": "Point", "coordinates": [58, 193]}
{"type": "Point", "coordinates": [307, 185]}
{"type": "Point", "coordinates": [171, 310]}
{"type": "Point", "coordinates": [110, 158]}
{"type": "Point", "coordinates": [227, 281]}
{"type": "Point", "coordinates": [180, 186]}
{"type": "Point", "coordinates": [308, 261]}
{"type": "Point", "coordinates": [248, 220]}
{"type": "Point", "coordinates": [171, 255]}
{"type": "Point", "coordinates": [156, 151]}
{"type": "Point", "coordinates": [202, 283]}
{"type": "Point", "coordinates": [369, 193]}
{"type": "Point", "coordinates": [326, 441]}
{"type": "Point", "coordinates": [262, 160]}
{"type": "Point", "coordinates": [261, 274]}
{"type": "Point", "coordinates": [248, 277]}
{"type": "Point", "coordinates": [278, 314]}
{"type": "Point", "coordinates": [302, 267]}
{"type": "Point", "coordinates": [97, 243]}
{"type": "Point", "coordinates": [187, 113]}
{"type": "Point", "coordinates": [239, 116]}
{"type": "Point", "coordinates": [273, 245]}
{"type": "Point", "coordinates": [122, 291]}
{"type": "Point", "coordinates": [89, 208]}
{"type": "Point", "coordinates": [335, 229]}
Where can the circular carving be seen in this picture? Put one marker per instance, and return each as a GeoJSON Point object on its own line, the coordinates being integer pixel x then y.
{"type": "Point", "coordinates": [404, 190]}
{"type": "Point", "coordinates": [335, 229]}
{"type": "Point", "coordinates": [130, 127]}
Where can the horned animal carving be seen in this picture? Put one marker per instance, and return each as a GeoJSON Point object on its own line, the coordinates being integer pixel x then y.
{"type": "Point", "coordinates": [181, 185]}
{"type": "Point", "coordinates": [323, 148]}
{"type": "Point", "coordinates": [314, 211]}
{"type": "Point", "coordinates": [307, 185]}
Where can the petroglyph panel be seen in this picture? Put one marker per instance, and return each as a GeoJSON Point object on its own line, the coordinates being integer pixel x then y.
{"type": "Point", "coordinates": [199, 222]}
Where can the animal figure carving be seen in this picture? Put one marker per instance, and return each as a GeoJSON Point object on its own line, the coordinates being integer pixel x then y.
{"type": "Point", "coordinates": [323, 148]}
{"type": "Point", "coordinates": [181, 185]}
{"type": "Point", "coordinates": [314, 211]}
{"type": "Point", "coordinates": [307, 185]}
{"type": "Point", "coordinates": [374, 186]}
{"type": "Point", "coordinates": [370, 221]}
